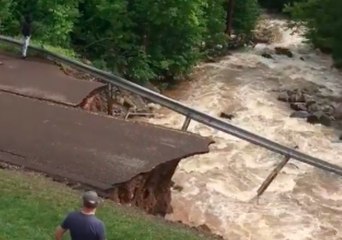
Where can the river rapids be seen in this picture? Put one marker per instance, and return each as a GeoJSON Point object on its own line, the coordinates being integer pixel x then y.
{"type": "Point", "coordinates": [216, 189]}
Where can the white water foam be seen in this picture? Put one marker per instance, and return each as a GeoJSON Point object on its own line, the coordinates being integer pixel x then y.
{"type": "Point", "coordinates": [302, 203]}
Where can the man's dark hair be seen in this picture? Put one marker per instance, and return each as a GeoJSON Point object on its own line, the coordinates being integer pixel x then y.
{"type": "Point", "coordinates": [90, 199]}
{"type": "Point", "coordinates": [26, 27]}
{"type": "Point", "coordinates": [90, 205]}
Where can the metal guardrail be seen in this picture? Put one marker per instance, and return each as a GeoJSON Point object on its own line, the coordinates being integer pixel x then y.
{"type": "Point", "coordinates": [189, 113]}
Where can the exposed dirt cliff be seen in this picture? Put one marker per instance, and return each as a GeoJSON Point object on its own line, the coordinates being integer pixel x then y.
{"type": "Point", "coordinates": [149, 191]}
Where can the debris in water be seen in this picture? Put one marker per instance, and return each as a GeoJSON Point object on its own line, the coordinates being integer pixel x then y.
{"type": "Point", "coordinates": [283, 51]}
{"type": "Point", "coordinates": [227, 116]}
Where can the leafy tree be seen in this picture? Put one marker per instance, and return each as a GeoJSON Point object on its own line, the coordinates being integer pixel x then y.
{"type": "Point", "coordinates": [275, 4]}
{"type": "Point", "coordinates": [246, 13]}
{"type": "Point", "coordinates": [138, 39]}
{"type": "Point", "coordinates": [324, 23]}
{"type": "Point", "coordinates": [55, 20]}
{"type": "Point", "coordinates": [4, 10]}
{"type": "Point", "coordinates": [214, 20]}
{"type": "Point", "coordinates": [6, 14]}
{"type": "Point", "coordinates": [102, 33]}
{"type": "Point", "coordinates": [143, 39]}
{"type": "Point", "coordinates": [172, 34]}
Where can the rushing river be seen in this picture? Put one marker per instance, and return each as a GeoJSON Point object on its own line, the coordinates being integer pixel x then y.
{"type": "Point", "coordinates": [216, 188]}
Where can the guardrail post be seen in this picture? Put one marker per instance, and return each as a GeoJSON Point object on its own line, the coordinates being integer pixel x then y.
{"type": "Point", "coordinates": [272, 176]}
{"type": "Point", "coordinates": [186, 123]}
{"type": "Point", "coordinates": [127, 115]}
{"type": "Point", "coordinates": [110, 99]}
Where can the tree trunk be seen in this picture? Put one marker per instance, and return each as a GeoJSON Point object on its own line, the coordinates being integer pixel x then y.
{"type": "Point", "coordinates": [229, 21]}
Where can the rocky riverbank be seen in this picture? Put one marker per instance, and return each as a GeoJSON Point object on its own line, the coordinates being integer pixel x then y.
{"type": "Point", "coordinates": [315, 109]}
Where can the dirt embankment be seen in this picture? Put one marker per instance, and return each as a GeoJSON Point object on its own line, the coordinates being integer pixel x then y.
{"type": "Point", "coordinates": [116, 102]}
{"type": "Point", "coordinates": [149, 191]}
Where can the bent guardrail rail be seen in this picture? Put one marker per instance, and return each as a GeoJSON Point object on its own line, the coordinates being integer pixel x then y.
{"type": "Point", "coordinates": [189, 113]}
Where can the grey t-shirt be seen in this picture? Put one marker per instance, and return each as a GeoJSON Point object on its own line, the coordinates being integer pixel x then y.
{"type": "Point", "coordinates": [84, 227]}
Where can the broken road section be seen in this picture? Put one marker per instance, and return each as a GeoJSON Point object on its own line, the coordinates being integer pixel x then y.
{"type": "Point", "coordinates": [131, 162]}
{"type": "Point", "coordinates": [40, 79]}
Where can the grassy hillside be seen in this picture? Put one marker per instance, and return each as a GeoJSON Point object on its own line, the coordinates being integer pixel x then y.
{"type": "Point", "coordinates": [31, 206]}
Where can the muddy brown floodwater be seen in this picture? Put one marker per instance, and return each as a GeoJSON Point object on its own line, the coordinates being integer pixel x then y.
{"type": "Point", "coordinates": [216, 188]}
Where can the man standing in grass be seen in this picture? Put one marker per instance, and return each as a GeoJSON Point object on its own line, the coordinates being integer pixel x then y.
{"type": "Point", "coordinates": [83, 225]}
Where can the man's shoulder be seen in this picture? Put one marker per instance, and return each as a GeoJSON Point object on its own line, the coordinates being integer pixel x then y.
{"type": "Point", "coordinates": [69, 220]}
{"type": "Point", "coordinates": [98, 221]}
{"type": "Point", "coordinates": [72, 215]}
{"type": "Point", "coordinates": [77, 215]}
{"type": "Point", "coordinates": [99, 226]}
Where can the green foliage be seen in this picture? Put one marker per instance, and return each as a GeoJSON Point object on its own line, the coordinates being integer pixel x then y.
{"type": "Point", "coordinates": [324, 22]}
{"type": "Point", "coordinates": [246, 14]}
{"type": "Point", "coordinates": [70, 53]}
{"type": "Point", "coordinates": [141, 40]}
{"type": "Point", "coordinates": [102, 33]}
{"type": "Point", "coordinates": [275, 4]}
{"type": "Point", "coordinates": [4, 10]}
{"type": "Point", "coordinates": [214, 21]}
{"type": "Point", "coordinates": [173, 35]}
{"type": "Point", "coordinates": [6, 14]}
{"type": "Point", "coordinates": [55, 20]}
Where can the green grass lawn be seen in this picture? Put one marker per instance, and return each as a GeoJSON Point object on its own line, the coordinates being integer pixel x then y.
{"type": "Point", "coordinates": [31, 206]}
